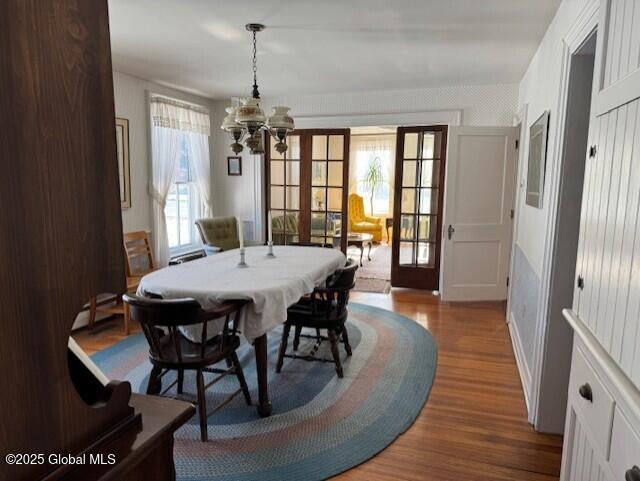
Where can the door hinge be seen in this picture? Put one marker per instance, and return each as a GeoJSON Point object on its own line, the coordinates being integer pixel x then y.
{"type": "Point", "coordinates": [507, 281]}
{"type": "Point", "coordinates": [517, 144]}
{"type": "Point", "coordinates": [512, 213]}
{"type": "Point", "coordinates": [592, 151]}
{"type": "Point", "coordinates": [580, 282]}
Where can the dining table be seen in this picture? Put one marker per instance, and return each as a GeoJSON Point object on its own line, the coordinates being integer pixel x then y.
{"type": "Point", "coordinates": [270, 283]}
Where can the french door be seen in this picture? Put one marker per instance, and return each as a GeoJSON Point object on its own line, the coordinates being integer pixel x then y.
{"type": "Point", "coordinates": [307, 188]}
{"type": "Point", "coordinates": [417, 219]}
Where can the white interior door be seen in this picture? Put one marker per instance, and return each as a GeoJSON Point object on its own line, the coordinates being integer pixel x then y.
{"type": "Point", "coordinates": [477, 227]}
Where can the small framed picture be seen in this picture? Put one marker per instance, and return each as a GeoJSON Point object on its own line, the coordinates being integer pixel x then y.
{"type": "Point", "coordinates": [234, 165]}
{"type": "Point", "coordinates": [538, 135]}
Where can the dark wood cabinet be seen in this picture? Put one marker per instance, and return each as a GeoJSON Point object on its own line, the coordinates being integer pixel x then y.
{"type": "Point", "coordinates": [61, 244]}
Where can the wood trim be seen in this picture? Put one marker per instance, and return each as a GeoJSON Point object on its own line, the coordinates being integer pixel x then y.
{"type": "Point", "coordinates": [429, 117]}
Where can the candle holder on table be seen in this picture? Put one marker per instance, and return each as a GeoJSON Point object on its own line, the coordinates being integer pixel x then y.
{"type": "Point", "coordinates": [270, 250]}
{"type": "Point", "coordinates": [242, 263]}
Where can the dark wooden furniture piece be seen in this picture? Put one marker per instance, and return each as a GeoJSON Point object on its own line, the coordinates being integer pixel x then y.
{"type": "Point", "coordinates": [312, 244]}
{"type": "Point", "coordinates": [139, 261]}
{"type": "Point", "coordinates": [170, 350]}
{"type": "Point", "coordinates": [359, 240]}
{"type": "Point", "coordinates": [61, 241]}
{"type": "Point", "coordinates": [307, 186]}
{"type": "Point", "coordinates": [417, 212]}
{"type": "Point", "coordinates": [388, 222]}
{"type": "Point", "coordinates": [325, 308]}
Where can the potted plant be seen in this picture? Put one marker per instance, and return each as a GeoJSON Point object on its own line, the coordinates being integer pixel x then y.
{"type": "Point", "coordinates": [373, 178]}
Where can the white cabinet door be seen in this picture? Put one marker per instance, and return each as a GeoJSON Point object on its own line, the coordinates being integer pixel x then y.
{"type": "Point", "coordinates": [608, 265]}
{"type": "Point", "coordinates": [477, 227]}
{"type": "Point", "coordinates": [581, 461]}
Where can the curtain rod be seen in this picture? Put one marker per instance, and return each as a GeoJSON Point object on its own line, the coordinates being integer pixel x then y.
{"type": "Point", "coordinates": [178, 103]}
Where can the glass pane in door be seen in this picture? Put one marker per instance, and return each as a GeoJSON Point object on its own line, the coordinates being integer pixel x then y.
{"type": "Point", "coordinates": [327, 189]}
{"type": "Point", "coordinates": [420, 195]}
{"type": "Point", "coordinates": [284, 191]}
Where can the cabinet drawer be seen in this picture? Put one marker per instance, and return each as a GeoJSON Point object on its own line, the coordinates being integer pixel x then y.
{"type": "Point", "coordinates": [592, 402]}
{"type": "Point", "coordinates": [625, 447]}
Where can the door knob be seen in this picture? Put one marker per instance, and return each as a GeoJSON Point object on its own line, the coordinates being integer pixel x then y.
{"type": "Point", "coordinates": [450, 231]}
{"type": "Point", "coordinates": [586, 393]}
{"type": "Point", "coordinates": [632, 474]}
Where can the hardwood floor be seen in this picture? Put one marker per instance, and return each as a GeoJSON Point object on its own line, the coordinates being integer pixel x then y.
{"type": "Point", "coordinates": [474, 426]}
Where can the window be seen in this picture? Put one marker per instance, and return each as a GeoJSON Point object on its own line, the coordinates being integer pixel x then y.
{"type": "Point", "coordinates": [183, 205]}
{"type": "Point", "coordinates": [376, 160]}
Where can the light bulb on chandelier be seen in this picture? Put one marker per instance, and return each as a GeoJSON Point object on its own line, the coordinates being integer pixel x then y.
{"type": "Point", "coordinates": [247, 122]}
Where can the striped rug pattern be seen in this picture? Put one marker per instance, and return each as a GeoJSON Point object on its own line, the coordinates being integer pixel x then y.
{"type": "Point", "coordinates": [321, 425]}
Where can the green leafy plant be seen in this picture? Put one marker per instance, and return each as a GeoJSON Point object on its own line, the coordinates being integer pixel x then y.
{"type": "Point", "coordinates": [373, 178]}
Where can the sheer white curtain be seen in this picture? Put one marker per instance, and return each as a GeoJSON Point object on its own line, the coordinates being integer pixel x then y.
{"type": "Point", "coordinates": [201, 163]}
{"type": "Point", "coordinates": [164, 145]}
{"type": "Point", "coordinates": [364, 149]}
{"type": "Point", "coordinates": [170, 120]}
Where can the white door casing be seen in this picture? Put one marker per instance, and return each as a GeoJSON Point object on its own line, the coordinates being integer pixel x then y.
{"type": "Point", "coordinates": [479, 199]}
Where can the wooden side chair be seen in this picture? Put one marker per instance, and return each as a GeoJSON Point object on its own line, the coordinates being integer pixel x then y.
{"type": "Point", "coordinates": [325, 308]}
{"type": "Point", "coordinates": [170, 350]}
{"type": "Point", "coordinates": [139, 261]}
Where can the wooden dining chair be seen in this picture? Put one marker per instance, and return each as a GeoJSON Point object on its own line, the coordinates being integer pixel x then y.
{"type": "Point", "coordinates": [325, 309]}
{"type": "Point", "coordinates": [170, 350]}
{"type": "Point", "coordinates": [139, 261]}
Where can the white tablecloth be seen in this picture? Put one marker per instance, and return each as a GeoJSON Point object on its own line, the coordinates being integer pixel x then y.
{"type": "Point", "coordinates": [271, 284]}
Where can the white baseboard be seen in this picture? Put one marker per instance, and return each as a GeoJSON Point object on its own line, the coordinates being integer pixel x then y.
{"type": "Point", "coordinates": [521, 360]}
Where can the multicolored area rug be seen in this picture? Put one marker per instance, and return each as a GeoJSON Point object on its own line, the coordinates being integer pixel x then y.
{"type": "Point", "coordinates": [321, 425]}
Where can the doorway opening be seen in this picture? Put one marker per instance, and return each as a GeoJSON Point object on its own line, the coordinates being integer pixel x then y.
{"type": "Point", "coordinates": [371, 202]}
{"type": "Point", "coordinates": [344, 188]}
{"type": "Point", "coordinates": [556, 362]}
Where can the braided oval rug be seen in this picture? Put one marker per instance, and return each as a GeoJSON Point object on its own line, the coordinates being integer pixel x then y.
{"type": "Point", "coordinates": [321, 425]}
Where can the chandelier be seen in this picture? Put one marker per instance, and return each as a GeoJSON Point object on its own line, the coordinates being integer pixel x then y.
{"type": "Point", "coordinates": [246, 122]}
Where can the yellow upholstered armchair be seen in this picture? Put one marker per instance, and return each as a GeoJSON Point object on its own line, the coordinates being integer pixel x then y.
{"type": "Point", "coordinates": [359, 222]}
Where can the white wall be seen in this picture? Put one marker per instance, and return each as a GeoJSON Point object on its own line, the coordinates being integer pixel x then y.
{"type": "Point", "coordinates": [491, 105]}
{"type": "Point", "coordinates": [130, 96]}
{"type": "Point", "coordinates": [540, 90]}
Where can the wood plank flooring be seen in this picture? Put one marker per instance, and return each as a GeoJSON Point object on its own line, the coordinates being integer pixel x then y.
{"type": "Point", "coordinates": [474, 426]}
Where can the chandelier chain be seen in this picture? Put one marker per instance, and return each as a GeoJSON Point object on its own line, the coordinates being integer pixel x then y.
{"type": "Point", "coordinates": [255, 67]}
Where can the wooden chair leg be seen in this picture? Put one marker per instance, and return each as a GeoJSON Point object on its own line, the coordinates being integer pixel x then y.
{"type": "Point", "coordinates": [283, 347]}
{"type": "Point", "coordinates": [155, 383]}
{"type": "Point", "coordinates": [296, 338]}
{"type": "Point", "coordinates": [93, 305]}
{"type": "Point", "coordinates": [127, 318]}
{"type": "Point", "coordinates": [241, 379]}
{"type": "Point", "coordinates": [345, 338]}
{"type": "Point", "coordinates": [333, 339]}
{"type": "Point", "coordinates": [202, 406]}
{"type": "Point", "coordinates": [180, 381]}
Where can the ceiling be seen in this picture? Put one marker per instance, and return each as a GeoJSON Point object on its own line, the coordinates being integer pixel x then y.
{"type": "Point", "coordinates": [328, 46]}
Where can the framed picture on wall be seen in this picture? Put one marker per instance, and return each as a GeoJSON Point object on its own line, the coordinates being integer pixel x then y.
{"type": "Point", "coordinates": [124, 174]}
{"type": "Point", "coordinates": [234, 165]}
{"type": "Point", "coordinates": [538, 134]}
